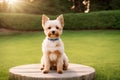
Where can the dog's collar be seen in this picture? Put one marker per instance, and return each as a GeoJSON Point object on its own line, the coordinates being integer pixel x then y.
{"type": "Point", "coordinates": [53, 39]}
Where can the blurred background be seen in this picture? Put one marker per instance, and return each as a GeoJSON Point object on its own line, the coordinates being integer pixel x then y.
{"type": "Point", "coordinates": [55, 6]}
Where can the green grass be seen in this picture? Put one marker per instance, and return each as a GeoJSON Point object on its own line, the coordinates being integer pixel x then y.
{"type": "Point", "coordinates": [99, 49]}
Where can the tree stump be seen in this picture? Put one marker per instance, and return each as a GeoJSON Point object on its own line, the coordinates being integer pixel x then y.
{"type": "Point", "coordinates": [33, 72]}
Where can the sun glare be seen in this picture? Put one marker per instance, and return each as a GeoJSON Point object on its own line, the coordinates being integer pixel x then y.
{"type": "Point", "coordinates": [15, 5]}
{"type": "Point", "coordinates": [1, 1]}
{"type": "Point", "coordinates": [11, 1]}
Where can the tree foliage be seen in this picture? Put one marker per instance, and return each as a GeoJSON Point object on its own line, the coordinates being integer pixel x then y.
{"type": "Point", "coordinates": [55, 6]}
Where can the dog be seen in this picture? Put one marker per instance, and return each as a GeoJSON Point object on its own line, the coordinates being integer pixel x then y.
{"type": "Point", "coordinates": [54, 56]}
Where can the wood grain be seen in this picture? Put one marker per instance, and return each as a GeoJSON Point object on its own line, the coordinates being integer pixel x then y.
{"type": "Point", "coordinates": [33, 72]}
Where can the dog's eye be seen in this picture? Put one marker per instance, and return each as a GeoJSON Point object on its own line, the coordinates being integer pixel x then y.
{"type": "Point", "coordinates": [57, 27]}
{"type": "Point", "coordinates": [49, 27]}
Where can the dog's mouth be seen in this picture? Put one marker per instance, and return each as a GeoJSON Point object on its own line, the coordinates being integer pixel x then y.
{"type": "Point", "coordinates": [53, 34]}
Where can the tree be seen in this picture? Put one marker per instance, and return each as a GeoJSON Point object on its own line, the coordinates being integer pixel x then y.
{"type": "Point", "coordinates": [81, 5]}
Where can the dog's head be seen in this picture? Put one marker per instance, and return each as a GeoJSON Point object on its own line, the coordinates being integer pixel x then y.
{"type": "Point", "coordinates": [53, 28]}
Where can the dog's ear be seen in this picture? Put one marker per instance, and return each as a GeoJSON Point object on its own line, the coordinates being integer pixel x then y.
{"type": "Point", "coordinates": [61, 19]}
{"type": "Point", "coordinates": [44, 20]}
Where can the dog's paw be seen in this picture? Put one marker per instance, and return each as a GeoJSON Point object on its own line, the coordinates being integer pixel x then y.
{"type": "Point", "coordinates": [41, 68]}
{"type": "Point", "coordinates": [45, 71]}
{"type": "Point", "coordinates": [60, 71]}
{"type": "Point", "coordinates": [65, 67]}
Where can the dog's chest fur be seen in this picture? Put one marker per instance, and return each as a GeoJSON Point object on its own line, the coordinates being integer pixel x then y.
{"type": "Point", "coordinates": [53, 49]}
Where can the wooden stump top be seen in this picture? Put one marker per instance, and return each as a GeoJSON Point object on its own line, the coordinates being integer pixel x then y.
{"type": "Point", "coordinates": [33, 72]}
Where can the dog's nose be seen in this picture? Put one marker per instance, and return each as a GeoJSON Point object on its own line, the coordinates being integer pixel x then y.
{"type": "Point", "coordinates": [53, 32]}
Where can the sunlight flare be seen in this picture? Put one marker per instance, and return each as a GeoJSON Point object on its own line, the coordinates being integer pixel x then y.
{"type": "Point", "coordinates": [11, 1]}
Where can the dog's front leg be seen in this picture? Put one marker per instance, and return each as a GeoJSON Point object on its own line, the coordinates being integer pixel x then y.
{"type": "Point", "coordinates": [42, 63]}
{"type": "Point", "coordinates": [65, 62]}
{"type": "Point", "coordinates": [47, 65]}
{"type": "Point", "coordinates": [60, 65]}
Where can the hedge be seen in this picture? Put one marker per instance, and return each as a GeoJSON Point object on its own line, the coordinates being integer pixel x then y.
{"type": "Point", "coordinates": [73, 21]}
{"type": "Point", "coordinates": [20, 21]}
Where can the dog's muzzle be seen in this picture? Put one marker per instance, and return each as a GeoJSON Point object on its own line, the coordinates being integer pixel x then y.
{"type": "Point", "coordinates": [53, 32]}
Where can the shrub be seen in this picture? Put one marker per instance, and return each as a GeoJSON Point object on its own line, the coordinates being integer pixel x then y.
{"type": "Point", "coordinates": [94, 20]}
{"type": "Point", "coordinates": [73, 21]}
{"type": "Point", "coordinates": [20, 21]}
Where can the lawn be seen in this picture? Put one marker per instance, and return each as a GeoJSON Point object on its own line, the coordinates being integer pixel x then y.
{"type": "Point", "coordinates": [97, 48]}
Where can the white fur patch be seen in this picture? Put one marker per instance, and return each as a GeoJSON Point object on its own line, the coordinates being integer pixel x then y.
{"type": "Point", "coordinates": [53, 57]}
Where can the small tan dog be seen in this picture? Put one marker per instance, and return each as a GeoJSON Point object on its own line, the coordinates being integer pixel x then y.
{"type": "Point", "coordinates": [52, 46]}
